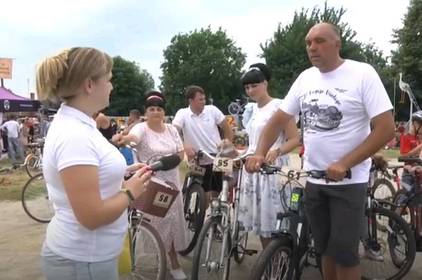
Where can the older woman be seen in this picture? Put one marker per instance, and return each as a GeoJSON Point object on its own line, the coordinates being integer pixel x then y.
{"type": "Point", "coordinates": [83, 171]}
{"type": "Point", "coordinates": [259, 197]}
{"type": "Point", "coordinates": [154, 138]}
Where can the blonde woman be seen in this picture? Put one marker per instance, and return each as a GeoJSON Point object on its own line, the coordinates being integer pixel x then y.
{"type": "Point", "coordinates": [83, 171]}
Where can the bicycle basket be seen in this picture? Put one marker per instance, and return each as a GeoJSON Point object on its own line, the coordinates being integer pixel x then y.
{"type": "Point", "coordinates": [157, 198]}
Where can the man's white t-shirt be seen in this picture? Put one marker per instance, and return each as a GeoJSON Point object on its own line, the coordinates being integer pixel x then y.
{"type": "Point", "coordinates": [13, 128]}
{"type": "Point", "coordinates": [200, 131]}
{"type": "Point", "coordinates": [337, 108]}
{"type": "Point", "coordinates": [73, 139]}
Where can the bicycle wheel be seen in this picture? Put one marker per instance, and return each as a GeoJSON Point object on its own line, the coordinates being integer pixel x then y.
{"type": "Point", "coordinates": [275, 261]}
{"type": "Point", "coordinates": [402, 210]}
{"type": "Point", "coordinates": [149, 254]}
{"type": "Point", "coordinates": [383, 189]}
{"type": "Point", "coordinates": [32, 165]}
{"type": "Point", "coordinates": [35, 199]}
{"type": "Point", "coordinates": [241, 238]}
{"type": "Point", "coordinates": [392, 255]}
{"type": "Point", "coordinates": [194, 211]}
{"type": "Point", "coordinates": [212, 253]}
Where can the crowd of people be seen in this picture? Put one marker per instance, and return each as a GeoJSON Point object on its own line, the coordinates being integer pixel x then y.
{"type": "Point", "coordinates": [346, 117]}
{"type": "Point", "coordinates": [18, 134]}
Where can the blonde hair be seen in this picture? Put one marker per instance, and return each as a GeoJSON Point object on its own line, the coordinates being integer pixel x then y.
{"type": "Point", "coordinates": [59, 76]}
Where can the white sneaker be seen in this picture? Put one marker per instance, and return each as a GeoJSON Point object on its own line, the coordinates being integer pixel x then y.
{"type": "Point", "coordinates": [178, 274]}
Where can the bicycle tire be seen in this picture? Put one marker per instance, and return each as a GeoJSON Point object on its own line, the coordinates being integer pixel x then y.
{"type": "Point", "coordinates": [194, 220]}
{"type": "Point", "coordinates": [402, 210]}
{"type": "Point", "coordinates": [263, 268]}
{"type": "Point", "coordinates": [31, 165]}
{"type": "Point", "coordinates": [397, 229]}
{"type": "Point", "coordinates": [211, 227]}
{"type": "Point", "coordinates": [388, 189]}
{"type": "Point", "coordinates": [146, 237]}
{"type": "Point", "coordinates": [35, 200]}
{"type": "Point", "coordinates": [238, 253]}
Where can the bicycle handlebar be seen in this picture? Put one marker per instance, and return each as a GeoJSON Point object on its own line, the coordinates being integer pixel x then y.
{"type": "Point", "coordinates": [411, 159]}
{"type": "Point", "coordinates": [210, 156]}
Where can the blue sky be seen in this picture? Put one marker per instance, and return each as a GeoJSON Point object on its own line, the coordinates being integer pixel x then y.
{"type": "Point", "coordinates": [140, 30]}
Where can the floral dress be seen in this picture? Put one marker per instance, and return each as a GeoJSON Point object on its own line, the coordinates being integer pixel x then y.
{"type": "Point", "coordinates": [152, 146]}
{"type": "Point", "coordinates": [260, 196]}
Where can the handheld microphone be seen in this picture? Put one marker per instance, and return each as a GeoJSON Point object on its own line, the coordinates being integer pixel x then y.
{"type": "Point", "coordinates": [165, 163]}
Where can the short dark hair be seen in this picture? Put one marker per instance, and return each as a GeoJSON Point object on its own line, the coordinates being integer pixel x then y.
{"type": "Point", "coordinates": [190, 91]}
{"type": "Point", "coordinates": [135, 112]}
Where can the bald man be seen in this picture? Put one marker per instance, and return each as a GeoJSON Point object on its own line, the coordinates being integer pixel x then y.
{"type": "Point", "coordinates": [339, 99]}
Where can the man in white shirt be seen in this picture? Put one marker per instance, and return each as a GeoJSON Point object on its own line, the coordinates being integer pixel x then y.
{"type": "Point", "coordinates": [198, 125]}
{"type": "Point", "coordinates": [14, 147]}
{"type": "Point", "coordinates": [339, 99]}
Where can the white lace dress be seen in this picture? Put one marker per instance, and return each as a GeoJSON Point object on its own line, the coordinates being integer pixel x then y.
{"type": "Point", "coordinates": [260, 194]}
{"type": "Point", "coordinates": [153, 145]}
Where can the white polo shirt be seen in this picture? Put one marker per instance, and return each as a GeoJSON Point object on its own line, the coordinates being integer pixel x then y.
{"type": "Point", "coordinates": [200, 131]}
{"type": "Point", "coordinates": [73, 139]}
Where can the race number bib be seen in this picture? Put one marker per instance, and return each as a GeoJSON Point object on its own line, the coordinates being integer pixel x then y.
{"type": "Point", "coordinates": [162, 200]}
{"type": "Point", "coordinates": [223, 164]}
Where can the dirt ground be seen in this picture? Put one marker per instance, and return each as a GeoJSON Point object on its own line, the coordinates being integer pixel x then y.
{"type": "Point", "coordinates": [21, 239]}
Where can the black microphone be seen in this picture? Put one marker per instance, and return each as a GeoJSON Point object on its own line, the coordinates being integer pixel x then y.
{"type": "Point", "coordinates": [165, 163]}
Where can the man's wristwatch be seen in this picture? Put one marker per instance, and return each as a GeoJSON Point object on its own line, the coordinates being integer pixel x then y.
{"type": "Point", "coordinates": [129, 194]}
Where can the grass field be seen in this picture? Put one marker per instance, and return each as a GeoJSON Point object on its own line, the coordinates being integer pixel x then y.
{"type": "Point", "coordinates": [12, 181]}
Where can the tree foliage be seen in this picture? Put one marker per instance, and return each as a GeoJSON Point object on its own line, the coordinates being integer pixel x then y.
{"type": "Point", "coordinates": [204, 58]}
{"type": "Point", "coordinates": [285, 52]}
{"type": "Point", "coordinates": [129, 86]}
{"type": "Point", "coordinates": [408, 56]}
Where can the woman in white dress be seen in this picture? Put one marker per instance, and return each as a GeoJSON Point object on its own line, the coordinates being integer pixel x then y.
{"type": "Point", "coordinates": [260, 194]}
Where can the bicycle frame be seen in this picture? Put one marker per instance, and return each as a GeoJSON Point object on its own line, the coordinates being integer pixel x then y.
{"type": "Point", "coordinates": [221, 206]}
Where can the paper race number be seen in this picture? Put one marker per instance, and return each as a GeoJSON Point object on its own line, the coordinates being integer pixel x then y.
{"type": "Point", "coordinates": [223, 164]}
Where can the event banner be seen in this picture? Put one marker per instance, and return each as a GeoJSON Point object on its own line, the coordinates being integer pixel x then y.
{"type": "Point", "coordinates": [6, 65]}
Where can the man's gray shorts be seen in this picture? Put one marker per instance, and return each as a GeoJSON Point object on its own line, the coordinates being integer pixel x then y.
{"type": "Point", "coordinates": [335, 214]}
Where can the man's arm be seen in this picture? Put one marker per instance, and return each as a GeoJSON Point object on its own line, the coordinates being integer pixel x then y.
{"type": "Point", "coordinates": [227, 130]}
{"type": "Point", "coordinates": [382, 132]}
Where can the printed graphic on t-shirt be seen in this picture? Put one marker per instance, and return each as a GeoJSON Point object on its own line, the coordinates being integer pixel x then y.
{"type": "Point", "coordinates": [321, 110]}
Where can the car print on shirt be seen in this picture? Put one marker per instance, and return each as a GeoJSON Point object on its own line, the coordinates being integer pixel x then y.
{"type": "Point", "coordinates": [321, 117]}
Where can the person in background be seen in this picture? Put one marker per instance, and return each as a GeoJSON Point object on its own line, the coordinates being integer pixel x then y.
{"type": "Point", "coordinates": [14, 147]}
{"type": "Point", "coordinates": [155, 138]}
{"type": "Point", "coordinates": [83, 171]}
{"type": "Point", "coordinates": [3, 131]}
{"type": "Point", "coordinates": [134, 118]}
{"type": "Point", "coordinates": [410, 143]}
{"type": "Point", "coordinates": [104, 125]}
{"type": "Point", "coordinates": [198, 125]}
{"type": "Point", "coordinates": [340, 100]}
{"type": "Point", "coordinates": [260, 194]}
{"type": "Point", "coordinates": [44, 125]}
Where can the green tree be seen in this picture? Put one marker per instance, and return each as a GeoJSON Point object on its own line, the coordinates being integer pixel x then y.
{"type": "Point", "coordinates": [286, 55]}
{"type": "Point", "coordinates": [408, 56]}
{"type": "Point", "coordinates": [129, 86]}
{"type": "Point", "coordinates": [204, 58]}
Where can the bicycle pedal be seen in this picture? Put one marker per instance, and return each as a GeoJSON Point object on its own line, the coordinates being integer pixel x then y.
{"type": "Point", "coordinates": [250, 252]}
